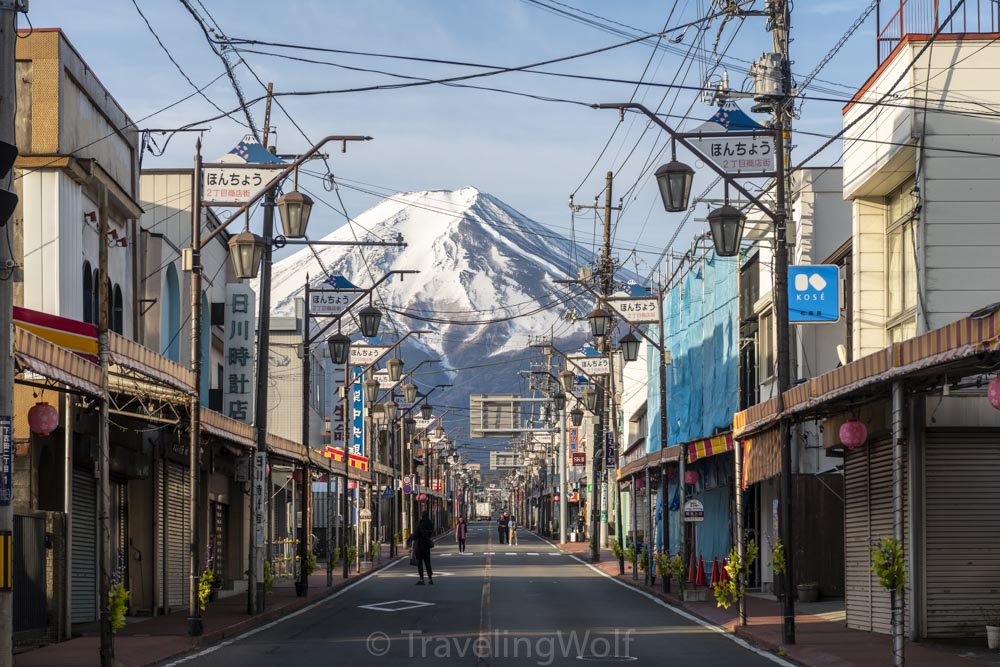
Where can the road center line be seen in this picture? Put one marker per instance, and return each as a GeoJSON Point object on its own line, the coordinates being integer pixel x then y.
{"type": "Point", "coordinates": [486, 608]}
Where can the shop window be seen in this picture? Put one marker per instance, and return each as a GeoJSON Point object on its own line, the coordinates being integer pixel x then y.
{"type": "Point", "coordinates": [88, 294]}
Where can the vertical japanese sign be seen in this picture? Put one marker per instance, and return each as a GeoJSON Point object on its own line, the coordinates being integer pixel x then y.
{"type": "Point", "coordinates": [260, 496]}
{"type": "Point", "coordinates": [238, 388]}
{"type": "Point", "coordinates": [574, 438]}
{"type": "Point", "coordinates": [358, 413]}
{"type": "Point", "coordinates": [6, 461]}
{"type": "Point", "coordinates": [611, 460]}
{"type": "Point", "coordinates": [338, 406]}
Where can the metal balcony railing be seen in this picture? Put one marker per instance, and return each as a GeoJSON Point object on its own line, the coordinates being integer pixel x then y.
{"type": "Point", "coordinates": [897, 18]}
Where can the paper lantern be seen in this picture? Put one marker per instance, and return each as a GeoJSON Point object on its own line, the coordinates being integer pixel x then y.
{"type": "Point", "coordinates": [691, 477]}
{"type": "Point", "coordinates": [853, 434]}
{"type": "Point", "coordinates": [422, 497]}
{"type": "Point", "coordinates": [43, 418]}
{"type": "Point", "coordinates": [993, 392]}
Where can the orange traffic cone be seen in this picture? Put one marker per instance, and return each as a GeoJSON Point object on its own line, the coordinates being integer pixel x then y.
{"type": "Point", "coordinates": [724, 574]}
{"type": "Point", "coordinates": [692, 570]}
{"type": "Point", "coordinates": [716, 577]}
{"type": "Point", "coordinates": [700, 580]}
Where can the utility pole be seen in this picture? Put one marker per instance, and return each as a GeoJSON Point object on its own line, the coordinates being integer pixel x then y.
{"type": "Point", "coordinates": [8, 107]}
{"type": "Point", "coordinates": [782, 113]}
{"type": "Point", "coordinates": [607, 424]}
{"type": "Point", "coordinates": [103, 444]}
{"type": "Point", "coordinates": [306, 486]}
{"type": "Point", "coordinates": [194, 622]}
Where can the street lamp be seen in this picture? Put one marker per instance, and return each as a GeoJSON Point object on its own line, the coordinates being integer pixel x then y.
{"type": "Point", "coordinates": [426, 410]}
{"type": "Point", "coordinates": [630, 346]}
{"type": "Point", "coordinates": [576, 415]}
{"type": "Point", "coordinates": [726, 224]}
{"type": "Point", "coordinates": [370, 317]}
{"type": "Point", "coordinates": [340, 348]}
{"type": "Point", "coordinates": [600, 322]}
{"type": "Point", "coordinates": [567, 378]}
{"type": "Point", "coordinates": [674, 179]}
{"type": "Point", "coordinates": [246, 250]}
{"type": "Point", "coordinates": [371, 387]}
{"type": "Point", "coordinates": [294, 208]}
{"type": "Point", "coordinates": [390, 409]}
{"type": "Point", "coordinates": [409, 392]}
{"type": "Point", "coordinates": [559, 401]}
{"type": "Point", "coordinates": [395, 368]}
{"type": "Point", "coordinates": [590, 399]}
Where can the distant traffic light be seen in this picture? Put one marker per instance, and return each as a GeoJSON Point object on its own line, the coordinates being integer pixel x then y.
{"type": "Point", "coordinates": [8, 200]}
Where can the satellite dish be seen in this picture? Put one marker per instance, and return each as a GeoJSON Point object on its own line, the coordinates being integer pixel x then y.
{"type": "Point", "coordinates": [842, 353]}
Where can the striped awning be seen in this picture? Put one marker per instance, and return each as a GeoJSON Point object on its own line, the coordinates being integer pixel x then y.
{"type": "Point", "coordinates": [353, 460]}
{"type": "Point", "coordinates": [131, 355]}
{"type": "Point", "coordinates": [223, 427]}
{"type": "Point", "coordinates": [706, 447]}
{"type": "Point", "coordinates": [68, 334]}
{"type": "Point", "coordinates": [761, 457]}
{"type": "Point", "coordinates": [55, 363]}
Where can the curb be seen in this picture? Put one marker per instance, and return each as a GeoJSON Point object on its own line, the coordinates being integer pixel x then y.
{"type": "Point", "coordinates": [738, 630]}
{"type": "Point", "coordinates": [269, 615]}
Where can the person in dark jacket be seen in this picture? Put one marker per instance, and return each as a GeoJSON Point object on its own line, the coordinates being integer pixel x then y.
{"type": "Point", "coordinates": [423, 542]}
{"type": "Point", "coordinates": [461, 533]}
{"type": "Point", "coordinates": [503, 528]}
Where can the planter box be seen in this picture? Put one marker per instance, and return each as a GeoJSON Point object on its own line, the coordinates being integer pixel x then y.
{"type": "Point", "coordinates": [808, 593]}
{"type": "Point", "coordinates": [695, 594]}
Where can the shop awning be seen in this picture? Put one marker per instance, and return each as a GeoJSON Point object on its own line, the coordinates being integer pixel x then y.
{"type": "Point", "coordinates": [37, 355]}
{"type": "Point", "coordinates": [131, 355]}
{"type": "Point", "coordinates": [958, 342]}
{"type": "Point", "coordinates": [717, 444]}
{"type": "Point", "coordinates": [223, 427]}
{"type": "Point", "coordinates": [761, 457]}
{"type": "Point", "coordinates": [63, 332]}
{"type": "Point", "coordinates": [651, 460]}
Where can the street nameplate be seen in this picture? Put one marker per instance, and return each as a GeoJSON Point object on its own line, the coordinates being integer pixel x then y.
{"type": "Point", "coordinates": [638, 310]}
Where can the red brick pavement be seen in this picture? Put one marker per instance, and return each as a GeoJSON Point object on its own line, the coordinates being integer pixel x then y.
{"type": "Point", "coordinates": [819, 642]}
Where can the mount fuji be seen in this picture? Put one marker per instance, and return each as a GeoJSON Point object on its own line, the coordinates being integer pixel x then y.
{"type": "Point", "coordinates": [484, 287]}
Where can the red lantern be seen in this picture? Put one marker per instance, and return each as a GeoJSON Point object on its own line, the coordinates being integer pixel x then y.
{"type": "Point", "coordinates": [690, 477]}
{"type": "Point", "coordinates": [993, 392]}
{"type": "Point", "coordinates": [43, 418]}
{"type": "Point", "coordinates": [853, 434]}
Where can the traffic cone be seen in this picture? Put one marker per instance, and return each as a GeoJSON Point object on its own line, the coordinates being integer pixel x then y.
{"type": "Point", "coordinates": [716, 577]}
{"type": "Point", "coordinates": [700, 580]}
{"type": "Point", "coordinates": [692, 570]}
{"type": "Point", "coordinates": [724, 574]}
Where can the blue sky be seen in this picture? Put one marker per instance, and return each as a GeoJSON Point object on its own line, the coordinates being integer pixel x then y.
{"type": "Point", "coordinates": [530, 153]}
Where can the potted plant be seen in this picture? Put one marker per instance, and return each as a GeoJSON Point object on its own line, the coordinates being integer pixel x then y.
{"type": "Point", "coordinates": [808, 591]}
{"type": "Point", "coordinates": [731, 590]}
{"type": "Point", "coordinates": [778, 567]}
{"type": "Point", "coordinates": [205, 584]}
{"type": "Point", "coordinates": [630, 555]}
{"type": "Point", "coordinates": [118, 599]}
{"type": "Point", "coordinates": [618, 553]}
{"type": "Point", "coordinates": [992, 619]}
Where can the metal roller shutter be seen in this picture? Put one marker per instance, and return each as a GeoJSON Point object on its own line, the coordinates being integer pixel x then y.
{"type": "Point", "coordinates": [84, 550]}
{"type": "Point", "coordinates": [962, 519]}
{"type": "Point", "coordinates": [868, 518]}
{"type": "Point", "coordinates": [174, 521]}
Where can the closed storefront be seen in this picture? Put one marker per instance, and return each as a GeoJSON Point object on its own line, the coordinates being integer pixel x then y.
{"type": "Point", "coordinates": [84, 551]}
{"type": "Point", "coordinates": [172, 500]}
{"type": "Point", "coordinates": [868, 518]}
{"type": "Point", "coordinates": [962, 530]}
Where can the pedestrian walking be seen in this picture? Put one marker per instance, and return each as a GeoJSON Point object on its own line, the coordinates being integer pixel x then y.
{"type": "Point", "coordinates": [461, 531]}
{"type": "Point", "coordinates": [513, 531]}
{"type": "Point", "coordinates": [422, 542]}
{"type": "Point", "coordinates": [503, 526]}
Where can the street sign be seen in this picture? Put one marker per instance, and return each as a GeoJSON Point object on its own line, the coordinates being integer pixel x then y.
{"type": "Point", "coordinates": [388, 493]}
{"type": "Point", "coordinates": [329, 303]}
{"type": "Point", "coordinates": [591, 365]}
{"type": "Point", "coordinates": [239, 175]}
{"type": "Point", "coordinates": [260, 496]}
{"type": "Point", "coordinates": [579, 459]}
{"type": "Point", "coordinates": [6, 461]}
{"type": "Point", "coordinates": [610, 460]}
{"type": "Point", "coordinates": [694, 510]}
{"type": "Point", "coordinates": [365, 355]}
{"type": "Point", "coordinates": [749, 152]}
{"type": "Point", "coordinates": [637, 310]}
{"type": "Point", "coordinates": [382, 377]}
{"type": "Point", "coordinates": [813, 294]}
{"type": "Point", "coordinates": [407, 484]}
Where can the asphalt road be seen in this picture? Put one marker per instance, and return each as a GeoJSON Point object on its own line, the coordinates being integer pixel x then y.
{"type": "Point", "coordinates": [496, 605]}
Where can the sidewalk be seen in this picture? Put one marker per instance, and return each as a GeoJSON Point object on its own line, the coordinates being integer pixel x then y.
{"type": "Point", "coordinates": [820, 642]}
{"type": "Point", "coordinates": [147, 641]}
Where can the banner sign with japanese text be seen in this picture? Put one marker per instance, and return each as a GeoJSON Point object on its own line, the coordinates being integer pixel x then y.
{"type": "Point", "coordinates": [358, 417]}
{"type": "Point", "coordinates": [749, 153]}
{"type": "Point", "coordinates": [239, 175]}
{"type": "Point", "coordinates": [238, 388]}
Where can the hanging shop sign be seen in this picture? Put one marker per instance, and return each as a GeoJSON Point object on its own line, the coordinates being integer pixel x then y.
{"type": "Point", "coordinates": [6, 461]}
{"type": "Point", "coordinates": [579, 459]}
{"type": "Point", "coordinates": [238, 389]}
{"type": "Point", "coordinates": [814, 294]}
{"type": "Point", "coordinates": [610, 456]}
{"type": "Point", "coordinates": [260, 496]}
{"type": "Point", "coordinates": [239, 175]}
{"type": "Point", "coordinates": [694, 510]}
{"type": "Point", "coordinates": [366, 355]}
{"type": "Point", "coordinates": [637, 310]}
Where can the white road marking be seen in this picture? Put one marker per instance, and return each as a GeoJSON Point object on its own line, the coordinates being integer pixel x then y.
{"type": "Point", "coordinates": [385, 606]}
{"type": "Point", "coordinates": [691, 617]}
{"type": "Point", "coordinates": [533, 554]}
{"type": "Point", "coordinates": [268, 626]}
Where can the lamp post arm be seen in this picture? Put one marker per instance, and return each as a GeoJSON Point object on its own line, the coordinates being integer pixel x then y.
{"type": "Point", "coordinates": [425, 397]}
{"type": "Point", "coordinates": [365, 293]}
{"type": "Point", "coordinates": [681, 139]}
{"type": "Point", "coordinates": [408, 374]}
{"type": "Point", "coordinates": [277, 179]}
{"type": "Point", "coordinates": [607, 302]}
